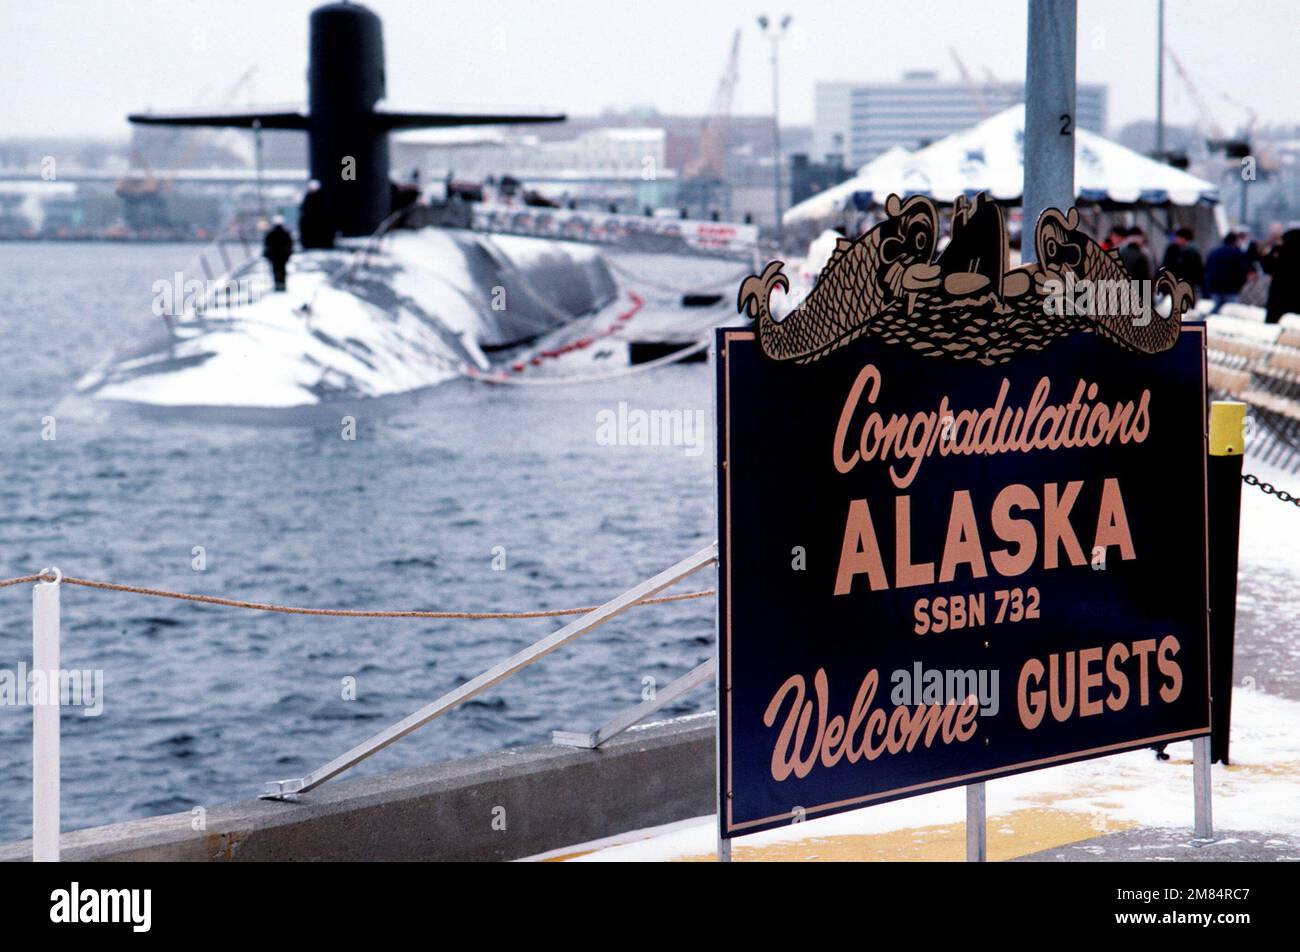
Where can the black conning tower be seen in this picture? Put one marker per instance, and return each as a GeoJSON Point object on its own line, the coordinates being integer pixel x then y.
{"type": "Point", "coordinates": [347, 127]}
{"type": "Point", "coordinates": [347, 143]}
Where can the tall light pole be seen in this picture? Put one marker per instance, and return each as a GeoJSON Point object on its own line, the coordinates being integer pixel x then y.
{"type": "Point", "coordinates": [1160, 82]}
{"type": "Point", "coordinates": [774, 32]}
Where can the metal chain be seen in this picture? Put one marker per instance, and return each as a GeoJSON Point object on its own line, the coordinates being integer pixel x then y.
{"type": "Point", "coordinates": [1250, 479]}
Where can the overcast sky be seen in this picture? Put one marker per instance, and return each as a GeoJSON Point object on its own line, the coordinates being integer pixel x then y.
{"type": "Point", "coordinates": [78, 66]}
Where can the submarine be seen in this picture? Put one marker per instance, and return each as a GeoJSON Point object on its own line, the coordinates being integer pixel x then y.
{"type": "Point", "coordinates": [375, 307]}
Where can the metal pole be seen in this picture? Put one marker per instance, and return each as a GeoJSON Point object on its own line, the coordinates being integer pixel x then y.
{"type": "Point", "coordinates": [720, 683]}
{"type": "Point", "coordinates": [45, 722]}
{"type": "Point", "coordinates": [1223, 504]}
{"type": "Point", "coordinates": [257, 153]}
{"type": "Point", "coordinates": [719, 786]}
{"type": "Point", "coordinates": [1049, 113]}
{"type": "Point", "coordinates": [625, 720]}
{"type": "Point", "coordinates": [721, 687]}
{"type": "Point", "coordinates": [1160, 80]}
{"type": "Point", "coordinates": [977, 845]}
{"type": "Point", "coordinates": [776, 142]}
{"type": "Point", "coordinates": [1203, 819]}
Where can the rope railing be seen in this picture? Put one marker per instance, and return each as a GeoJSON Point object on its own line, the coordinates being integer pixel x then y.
{"type": "Point", "coordinates": [46, 764]}
{"type": "Point", "coordinates": [330, 612]}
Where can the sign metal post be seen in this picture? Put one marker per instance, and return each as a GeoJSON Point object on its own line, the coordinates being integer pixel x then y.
{"type": "Point", "coordinates": [1203, 820]}
{"type": "Point", "coordinates": [720, 681]}
{"type": "Point", "coordinates": [977, 844]}
{"type": "Point", "coordinates": [1227, 440]}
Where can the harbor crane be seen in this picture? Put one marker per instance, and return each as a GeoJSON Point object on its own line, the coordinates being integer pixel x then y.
{"type": "Point", "coordinates": [703, 175]}
{"type": "Point", "coordinates": [713, 136]}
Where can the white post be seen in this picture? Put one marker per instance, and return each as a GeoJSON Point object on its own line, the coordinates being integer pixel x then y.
{"type": "Point", "coordinates": [977, 845]}
{"type": "Point", "coordinates": [45, 722]}
{"type": "Point", "coordinates": [1204, 820]}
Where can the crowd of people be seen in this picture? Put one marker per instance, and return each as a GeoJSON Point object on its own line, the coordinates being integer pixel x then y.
{"type": "Point", "coordinates": [1238, 259]}
{"type": "Point", "coordinates": [1230, 265]}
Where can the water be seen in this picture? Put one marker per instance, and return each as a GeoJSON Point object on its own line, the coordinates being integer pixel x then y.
{"type": "Point", "coordinates": [203, 704]}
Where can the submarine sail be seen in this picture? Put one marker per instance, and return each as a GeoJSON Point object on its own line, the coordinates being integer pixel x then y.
{"type": "Point", "coordinates": [346, 125]}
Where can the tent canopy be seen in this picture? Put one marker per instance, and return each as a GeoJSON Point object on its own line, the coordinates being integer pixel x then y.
{"type": "Point", "coordinates": [989, 157]}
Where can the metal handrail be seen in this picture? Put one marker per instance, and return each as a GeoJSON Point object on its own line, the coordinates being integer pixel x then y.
{"type": "Point", "coordinates": [291, 789]}
{"type": "Point", "coordinates": [216, 297]}
{"type": "Point", "coordinates": [215, 254]}
{"type": "Point", "coordinates": [360, 257]}
{"type": "Point", "coordinates": [624, 720]}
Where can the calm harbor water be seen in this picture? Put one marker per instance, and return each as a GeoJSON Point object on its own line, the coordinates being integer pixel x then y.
{"type": "Point", "coordinates": [202, 704]}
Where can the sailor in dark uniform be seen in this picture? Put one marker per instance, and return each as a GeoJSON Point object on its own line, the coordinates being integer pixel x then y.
{"type": "Point", "coordinates": [277, 248]}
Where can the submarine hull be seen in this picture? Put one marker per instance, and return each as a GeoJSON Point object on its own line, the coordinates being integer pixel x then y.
{"type": "Point", "coordinates": [355, 328]}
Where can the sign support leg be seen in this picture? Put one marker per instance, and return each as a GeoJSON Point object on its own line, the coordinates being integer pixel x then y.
{"type": "Point", "coordinates": [720, 688]}
{"type": "Point", "coordinates": [977, 846]}
{"type": "Point", "coordinates": [1204, 820]}
{"type": "Point", "coordinates": [45, 723]}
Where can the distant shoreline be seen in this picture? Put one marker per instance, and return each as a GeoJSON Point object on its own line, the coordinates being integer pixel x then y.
{"type": "Point", "coordinates": [91, 240]}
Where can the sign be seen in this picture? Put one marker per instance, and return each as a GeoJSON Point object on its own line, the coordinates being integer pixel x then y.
{"type": "Point", "coordinates": [962, 519]}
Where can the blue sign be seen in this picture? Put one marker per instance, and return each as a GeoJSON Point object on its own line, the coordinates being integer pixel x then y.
{"type": "Point", "coordinates": [938, 571]}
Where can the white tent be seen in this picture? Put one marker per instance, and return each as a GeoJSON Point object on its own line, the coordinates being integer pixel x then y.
{"type": "Point", "coordinates": [989, 157]}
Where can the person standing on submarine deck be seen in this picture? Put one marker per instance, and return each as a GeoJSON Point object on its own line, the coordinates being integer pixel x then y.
{"type": "Point", "coordinates": [277, 249]}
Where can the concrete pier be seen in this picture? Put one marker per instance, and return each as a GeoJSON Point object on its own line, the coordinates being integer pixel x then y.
{"type": "Point", "coordinates": [499, 806]}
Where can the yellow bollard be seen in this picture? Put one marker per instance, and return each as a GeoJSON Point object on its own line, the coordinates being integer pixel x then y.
{"type": "Point", "coordinates": [1227, 428]}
